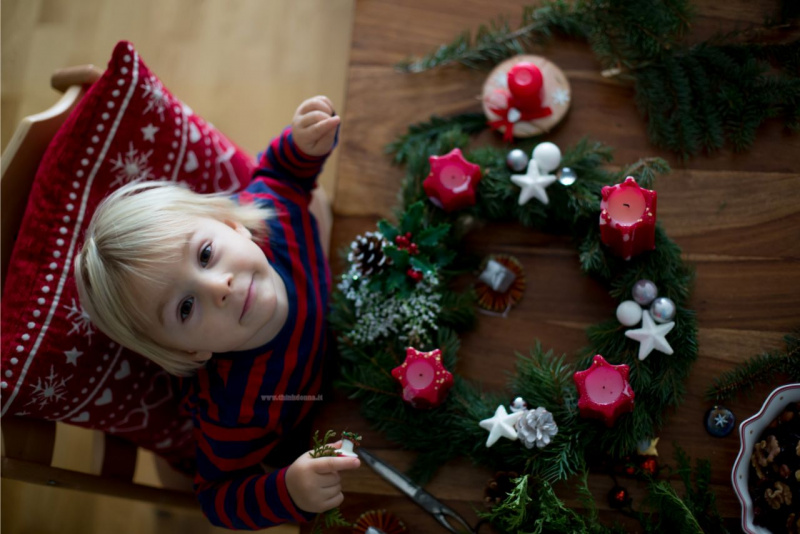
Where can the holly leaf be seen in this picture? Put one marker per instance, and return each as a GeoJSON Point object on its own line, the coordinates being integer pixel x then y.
{"type": "Point", "coordinates": [396, 281]}
{"type": "Point", "coordinates": [399, 257]}
{"type": "Point", "coordinates": [388, 231]}
{"type": "Point", "coordinates": [431, 236]}
{"type": "Point", "coordinates": [422, 265]}
{"type": "Point", "coordinates": [412, 218]}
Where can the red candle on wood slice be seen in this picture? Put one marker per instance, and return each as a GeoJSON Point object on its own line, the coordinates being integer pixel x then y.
{"type": "Point", "coordinates": [628, 218]}
{"type": "Point", "coordinates": [525, 84]}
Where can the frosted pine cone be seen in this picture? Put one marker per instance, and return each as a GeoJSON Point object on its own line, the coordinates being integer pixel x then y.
{"type": "Point", "coordinates": [536, 427]}
{"type": "Point", "coordinates": [366, 253]}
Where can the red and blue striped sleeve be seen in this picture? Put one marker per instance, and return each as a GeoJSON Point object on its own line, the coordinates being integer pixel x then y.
{"type": "Point", "coordinates": [284, 161]}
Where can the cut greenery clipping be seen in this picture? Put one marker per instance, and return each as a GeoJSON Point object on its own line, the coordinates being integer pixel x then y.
{"type": "Point", "coordinates": [542, 378]}
{"type": "Point", "coordinates": [765, 368]}
{"type": "Point", "coordinates": [695, 97]}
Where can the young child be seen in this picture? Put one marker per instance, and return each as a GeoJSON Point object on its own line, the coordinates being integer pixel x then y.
{"type": "Point", "coordinates": [230, 294]}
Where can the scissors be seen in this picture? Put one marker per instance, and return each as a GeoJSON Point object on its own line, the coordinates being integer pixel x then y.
{"type": "Point", "coordinates": [444, 515]}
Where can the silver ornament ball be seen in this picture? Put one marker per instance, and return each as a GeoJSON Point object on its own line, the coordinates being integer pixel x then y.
{"type": "Point", "coordinates": [517, 160]}
{"type": "Point", "coordinates": [567, 177]}
{"type": "Point", "coordinates": [663, 310]}
{"type": "Point", "coordinates": [519, 405]}
{"type": "Point", "coordinates": [644, 292]}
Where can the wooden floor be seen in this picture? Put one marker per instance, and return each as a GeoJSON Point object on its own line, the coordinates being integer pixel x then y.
{"type": "Point", "coordinates": [242, 65]}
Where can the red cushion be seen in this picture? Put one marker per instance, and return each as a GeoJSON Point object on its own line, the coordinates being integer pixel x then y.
{"type": "Point", "coordinates": [55, 364]}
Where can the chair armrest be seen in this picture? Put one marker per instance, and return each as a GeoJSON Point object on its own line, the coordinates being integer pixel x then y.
{"type": "Point", "coordinates": [63, 79]}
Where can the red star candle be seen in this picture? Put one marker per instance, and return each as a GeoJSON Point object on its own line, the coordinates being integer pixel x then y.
{"type": "Point", "coordinates": [424, 379]}
{"type": "Point", "coordinates": [452, 181]}
{"type": "Point", "coordinates": [628, 218]}
{"type": "Point", "coordinates": [604, 390]}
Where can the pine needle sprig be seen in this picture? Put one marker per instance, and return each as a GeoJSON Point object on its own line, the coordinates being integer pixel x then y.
{"type": "Point", "coordinates": [694, 97]}
{"type": "Point", "coordinates": [424, 133]}
{"type": "Point", "coordinates": [765, 368]}
{"type": "Point", "coordinates": [495, 42]}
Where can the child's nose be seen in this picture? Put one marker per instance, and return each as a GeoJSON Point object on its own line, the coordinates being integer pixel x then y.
{"type": "Point", "coordinates": [220, 287]}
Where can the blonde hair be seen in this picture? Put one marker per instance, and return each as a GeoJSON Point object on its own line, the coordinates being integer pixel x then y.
{"type": "Point", "coordinates": [135, 229]}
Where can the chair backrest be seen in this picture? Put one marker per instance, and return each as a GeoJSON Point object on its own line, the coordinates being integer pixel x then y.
{"type": "Point", "coordinates": [28, 444]}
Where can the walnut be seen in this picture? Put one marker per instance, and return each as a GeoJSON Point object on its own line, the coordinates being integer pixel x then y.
{"type": "Point", "coordinates": [786, 416]}
{"type": "Point", "coordinates": [797, 449]}
{"type": "Point", "coordinates": [780, 496]}
{"type": "Point", "coordinates": [764, 452]}
{"type": "Point", "coordinates": [793, 524]}
{"type": "Point", "coordinates": [797, 475]}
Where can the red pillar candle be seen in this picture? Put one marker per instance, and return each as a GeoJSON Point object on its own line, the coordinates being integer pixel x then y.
{"type": "Point", "coordinates": [452, 181]}
{"type": "Point", "coordinates": [628, 218]}
{"type": "Point", "coordinates": [525, 84]}
{"type": "Point", "coordinates": [604, 390]}
{"type": "Point", "coordinates": [424, 379]}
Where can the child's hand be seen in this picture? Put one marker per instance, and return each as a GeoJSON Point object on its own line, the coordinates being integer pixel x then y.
{"type": "Point", "coordinates": [314, 126]}
{"type": "Point", "coordinates": [314, 483]}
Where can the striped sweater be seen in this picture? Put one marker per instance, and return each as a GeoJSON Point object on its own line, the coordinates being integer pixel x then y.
{"type": "Point", "coordinates": [243, 402]}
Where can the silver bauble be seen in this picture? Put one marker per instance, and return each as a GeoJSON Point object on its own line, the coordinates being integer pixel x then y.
{"type": "Point", "coordinates": [567, 177]}
{"type": "Point", "coordinates": [517, 160]}
{"type": "Point", "coordinates": [663, 310]}
{"type": "Point", "coordinates": [644, 292]}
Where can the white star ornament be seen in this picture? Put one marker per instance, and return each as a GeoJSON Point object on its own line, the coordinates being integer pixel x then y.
{"type": "Point", "coordinates": [501, 425]}
{"type": "Point", "coordinates": [533, 184]}
{"type": "Point", "coordinates": [651, 336]}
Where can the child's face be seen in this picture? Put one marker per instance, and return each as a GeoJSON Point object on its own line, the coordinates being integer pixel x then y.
{"type": "Point", "coordinates": [219, 295]}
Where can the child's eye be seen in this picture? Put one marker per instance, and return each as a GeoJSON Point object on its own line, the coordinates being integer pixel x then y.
{"type": "Point", "coordinates": [205, 255]}
{"type": "Point", "coordinates": [185, 309]}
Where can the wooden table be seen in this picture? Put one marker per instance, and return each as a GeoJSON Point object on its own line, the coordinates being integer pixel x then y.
{"type": "Point", "coordinates": [735, 216]}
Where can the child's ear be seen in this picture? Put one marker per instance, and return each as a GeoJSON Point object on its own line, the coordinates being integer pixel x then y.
{"type": "Point", "coordinates": [200, 356]}
{"type": "Point", "coordinates": [240, 228]}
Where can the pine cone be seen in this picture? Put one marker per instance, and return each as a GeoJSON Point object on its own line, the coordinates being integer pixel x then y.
{"type": "Point", "coordinates": [536, 427]}
{"type": "Point", "coordinates": [366, 253]}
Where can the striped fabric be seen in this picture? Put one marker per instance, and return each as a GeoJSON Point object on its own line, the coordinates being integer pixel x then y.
{"type": "Point", "coordinates": [235, 400]}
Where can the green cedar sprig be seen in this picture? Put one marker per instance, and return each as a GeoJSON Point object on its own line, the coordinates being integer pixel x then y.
{"type": "Point", "coordinates": [533, 506]}
{"type": "Point", "coordinates": [694, 97]}
{"type": "Point", "coordinates": [333, 517]}
{"type": "Point", "coordinates": [764, 368]}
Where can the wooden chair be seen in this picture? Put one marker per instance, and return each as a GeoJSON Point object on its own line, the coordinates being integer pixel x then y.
{"type": "Point", "coordinates": [28, 444]}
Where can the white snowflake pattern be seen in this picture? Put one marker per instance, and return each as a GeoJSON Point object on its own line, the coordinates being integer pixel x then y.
{"type": "Point", "coordinates": [561, 96]}
{"type": "Point", "coordinates": [81, 322]}
{"type": "Point", "coordinates": [157, 97]}
{"type": "Point", "coordinates": [132, 166]}
{"type": "Point", "coordinates": [52, 388]}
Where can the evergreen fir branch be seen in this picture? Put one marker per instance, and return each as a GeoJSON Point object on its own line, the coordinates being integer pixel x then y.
{"type": "Point", "coordinates": [321, 447]}
{"type": "Point", "coordinates": [694, 98]}
{"type": "Point", "coordinates": [423, 133]}
{"type": "Point", "coordinates": [496, 42]}
{"type": "Point", "coordinates": [764, 368]}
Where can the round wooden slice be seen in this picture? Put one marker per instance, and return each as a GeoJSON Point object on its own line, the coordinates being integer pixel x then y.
{"type": "Point", "coordinates": [556, 95]}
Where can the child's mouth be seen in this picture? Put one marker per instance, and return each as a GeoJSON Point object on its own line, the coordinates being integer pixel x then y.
{"type": "Point", "coordinates": [247, 299]}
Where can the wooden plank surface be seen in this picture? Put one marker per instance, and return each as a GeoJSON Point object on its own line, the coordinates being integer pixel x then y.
{"type": "Point", "coordinates": [735, 216]}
